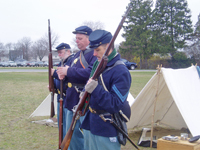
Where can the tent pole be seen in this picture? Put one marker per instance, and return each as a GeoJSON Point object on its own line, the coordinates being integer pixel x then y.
{"type": "Point", "coordinates": [156, 97]}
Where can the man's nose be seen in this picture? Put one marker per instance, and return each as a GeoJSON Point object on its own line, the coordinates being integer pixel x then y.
{"type": "Point", "coordinates": [95, 53]}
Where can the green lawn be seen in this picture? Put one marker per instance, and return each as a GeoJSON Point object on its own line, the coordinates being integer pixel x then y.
{"type": "Point", "coordinates": [23, 67]}
{"type": "Point", "coordinates": [20, 94]}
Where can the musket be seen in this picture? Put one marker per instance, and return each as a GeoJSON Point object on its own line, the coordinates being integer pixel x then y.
{"type": "Point", "coordinates": [78, 110]}
{"type": "Point", "coordinates": [61, 111]}
{"type": "Point", "coordinates": [124, 133]}
{"type": "Point", "coordinates": [112, 121]}
{"type": "Point", "coordinates": [51, 81]}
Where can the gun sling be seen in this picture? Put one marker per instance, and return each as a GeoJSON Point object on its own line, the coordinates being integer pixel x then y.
{"type": "Point", "coordinates": [84, 64]}
{"type": "Point", "coordinates": [82, 59]}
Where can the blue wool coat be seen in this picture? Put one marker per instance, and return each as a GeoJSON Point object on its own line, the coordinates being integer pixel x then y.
{"type": "Point", "coordinates": [118, 82]}
{"type": "Point", "coordinates": [78, 75]}
{"type": "Point", "coordinates": [57, 81]}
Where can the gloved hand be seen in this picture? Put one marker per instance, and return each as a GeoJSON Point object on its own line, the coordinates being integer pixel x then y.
{"type": "Point", "coordinates": [81, 95]}
{"type": "Point", "coordinates": [91, 85]}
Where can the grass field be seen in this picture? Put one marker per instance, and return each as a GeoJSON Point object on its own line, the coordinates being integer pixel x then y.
{"type": "Point", "coordinates": [20, 94]}
{"type": "Point", "coordinates": [24, 67]}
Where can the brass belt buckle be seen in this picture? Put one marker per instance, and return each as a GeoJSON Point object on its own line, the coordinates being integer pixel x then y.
{"type": "Point", "coordinates": [58, 91]}
{"type": "Point", "coordinates": [77, 90]}
{"type": "Point", "coordinates": [92, 110]}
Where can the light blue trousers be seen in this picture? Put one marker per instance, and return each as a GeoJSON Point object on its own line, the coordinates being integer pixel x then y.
{"type": "Point", "coordinates": [95, 142]}
{"type": "Point", "coordinates": [64, 118]}
{"type": "Point", "coordinates": [77, 141]}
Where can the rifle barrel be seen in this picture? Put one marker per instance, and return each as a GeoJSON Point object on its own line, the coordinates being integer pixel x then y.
{"type": "Point", "coordinates": [51, 82]}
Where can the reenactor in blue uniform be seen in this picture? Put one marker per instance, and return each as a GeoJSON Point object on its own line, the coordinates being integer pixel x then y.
{"type": "Point", "coordinates": [108, 96]}
{"type": "Point", "coordinates": [64, 52]}
{"type": "Point", "coordinates": [77, 73]}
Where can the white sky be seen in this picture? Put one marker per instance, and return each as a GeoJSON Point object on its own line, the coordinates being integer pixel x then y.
{"type": "Point", "coordinates": [29, 18]}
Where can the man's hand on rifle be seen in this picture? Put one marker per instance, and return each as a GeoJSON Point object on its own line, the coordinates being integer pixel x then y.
{"type": "Point", "coordinates": [62, 72]}
{"type": "Point", "coordinates": [91, 85]}
{"type": "Point", "coordinates": [81, 94]}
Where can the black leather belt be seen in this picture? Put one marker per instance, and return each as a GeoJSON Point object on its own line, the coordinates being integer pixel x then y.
{"type": "Point", "coordinates": [94, 111]}
{"type": "Point", "coordinates": [69, 84]}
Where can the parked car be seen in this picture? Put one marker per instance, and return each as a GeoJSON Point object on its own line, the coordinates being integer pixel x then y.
{"type": "Point", "coordinates": [28, 64]}
{"type": "Point", "coordinates": [12, 64]}
{"type": "Point", "coordinates": [33, 64]}
{"type": "Point", "coordinates": [56, 63]}
{"type": "Point", "coordinates": [21, 63]}
{"type": "Point", "coordinates": [129, 65]}
{"type": "Point", "coordinates": [1, 64]}
{"type": "Point", "coordinates": [46, 63]}
{"type": "Point", "coordinates": [5, 64]}
{"type": "Point", "coordinates": [40, 64]}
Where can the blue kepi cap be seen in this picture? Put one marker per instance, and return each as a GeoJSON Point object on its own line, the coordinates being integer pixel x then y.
{"type": "Point", "coordinates": [99, 37]}
{"type": "Point", "coordinates": [83, 30]}
{"type": "Point", "coordinates": [63, 46]}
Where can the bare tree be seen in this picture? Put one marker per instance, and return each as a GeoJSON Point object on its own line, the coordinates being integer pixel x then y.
{"type": "Point", "coordinates": [94, 25]}
{"type": "Point", "coordinates": [1, 46]}
{"type": "Point", "coordinates": [41, 47]}
{"type": "Point", "coordinates": [2, 51]}
{"type": "Point", "coordinates": [9, 46]}
{"type": "Point", "coordinates": [24, 47]}
{"type": "Point", "coordinates": [54, 38]}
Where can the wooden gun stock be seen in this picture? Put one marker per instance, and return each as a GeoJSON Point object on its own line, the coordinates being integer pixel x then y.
{"type": "Point", "coordinates": [99, 70]}
{"type": "Point", "coordinates": [77, 114]}
{"type": "Point", "coordinates": [61, 112]}
{"type": "Point", "coordinates": [51, 82]}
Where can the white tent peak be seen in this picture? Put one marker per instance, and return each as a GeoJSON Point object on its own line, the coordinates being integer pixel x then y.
{"type": "Point", "coordinates": [45, 107]}
{"type": "Point", "coordinates": [177, 100]}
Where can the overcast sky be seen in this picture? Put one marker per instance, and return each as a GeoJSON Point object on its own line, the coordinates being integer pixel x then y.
{"type": "Point", "coordinates": [29, 18]}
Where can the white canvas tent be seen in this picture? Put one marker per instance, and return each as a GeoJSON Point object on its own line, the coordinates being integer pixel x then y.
{"type": "Point", "coordinates": [44, 108]}
{"type": "Point", "coordinates": [174, 95]}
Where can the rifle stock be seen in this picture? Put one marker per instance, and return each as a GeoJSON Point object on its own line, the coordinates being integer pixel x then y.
{"type": "Point", "coordinates": [61, 112]}
{"type": "Point", "coordinates": [99, 70]}
{"type": "Point", "coordinates": [51, 82]}
{"type": "Point", "coordinates": [76, 116]}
